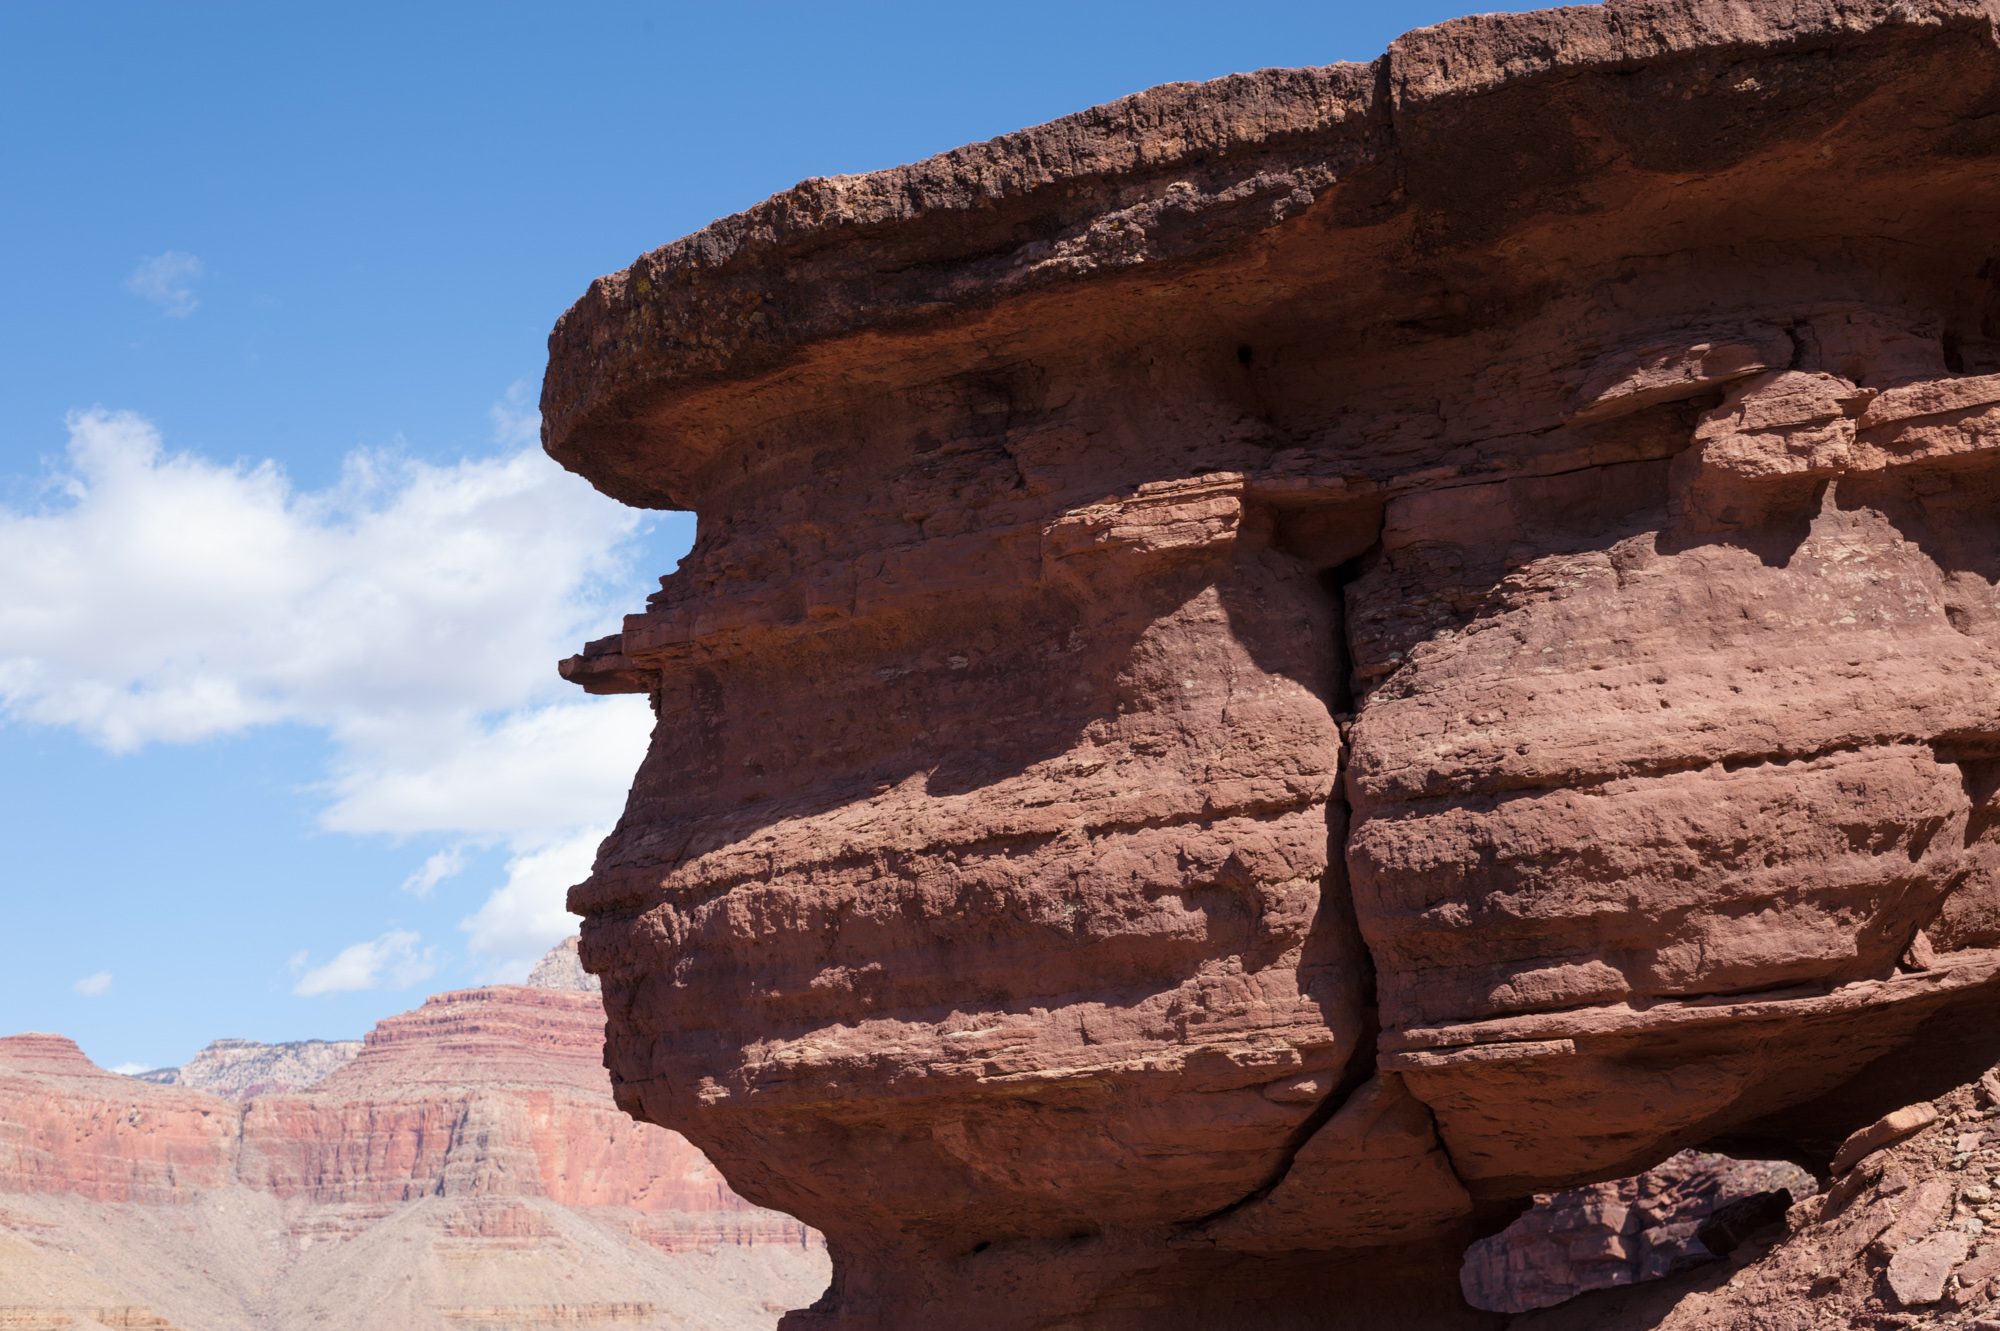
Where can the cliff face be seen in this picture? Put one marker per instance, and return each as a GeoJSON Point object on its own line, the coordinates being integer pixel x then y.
{"type": "Point", "coordinates": [496, 1091]}
{"type": "Point", "coordinates": [467, 1165]}
{"type": "Point", "coordinates": [1275, 667]}
{"type": "Point", "coordinates": [563, 968]}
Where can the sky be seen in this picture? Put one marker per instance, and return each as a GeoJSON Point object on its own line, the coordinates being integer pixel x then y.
{"type": "Point", "coordinates": [283, 571]}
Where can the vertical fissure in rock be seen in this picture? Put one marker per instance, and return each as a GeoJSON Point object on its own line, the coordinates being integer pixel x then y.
{"type": "Point", "coordinates": [1338, 694]}
{"type": "Point", "coordinates": [1359, 1072]}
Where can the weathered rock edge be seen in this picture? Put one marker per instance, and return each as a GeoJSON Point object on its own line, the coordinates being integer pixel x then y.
{"type": "Point", "coordinates": [1190, 167]}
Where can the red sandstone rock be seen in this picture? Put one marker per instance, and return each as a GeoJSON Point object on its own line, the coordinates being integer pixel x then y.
{"type": "Point", "coordinates": [1281, 665]}
{"type": "Point", "coordinates": [481, 1092]}
{"type": "Point", "coordinates": [1621, 1232]}
{"type": "Point", "coordinates": [1917, 1274]}
{"type": "Point", "coordinates": [1884, 1131]}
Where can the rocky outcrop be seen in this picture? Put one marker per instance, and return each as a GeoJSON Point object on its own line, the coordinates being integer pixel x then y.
{"type": "Point", "coordinates": [1274, 668]}
{"type": "Point", "coordinates": [466, 1168]}
{"type": "Point", "coordinates": [1904, 1238]}
{"type": "Point", "coordinates": [241, 1069]}
{"type": "Point", "coordinates": [1691, 1209]}
{"type": "Point", "coordinates": [497, 1091]}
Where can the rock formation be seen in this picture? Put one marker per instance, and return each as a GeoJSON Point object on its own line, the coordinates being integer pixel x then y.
{"type": "Point", "coordinates": [68, 1127]}
{"type": "Point", "coordinates": [241, 1069]}
{"type": "Point", "coordinates": [1691, 1209]}
{"type": "Point", "coordinates": [1273, 668]}
{"type": "Point", "coordinates": [466, 1169]}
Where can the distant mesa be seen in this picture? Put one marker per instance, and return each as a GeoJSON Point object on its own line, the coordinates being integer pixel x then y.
{"type": "Point", "coordinates": [462, 1167]}
{"type": "Point", "coordinates": [241, 1070]}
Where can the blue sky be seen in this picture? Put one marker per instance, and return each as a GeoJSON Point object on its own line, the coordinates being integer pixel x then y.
{"type": "Point", "coordinates": [285, 575]}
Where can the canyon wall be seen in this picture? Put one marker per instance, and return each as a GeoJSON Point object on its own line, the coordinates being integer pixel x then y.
{"type": "Point", "coordinates": [1273, 668]}
{"type": "Point", "coordinates": [467, 1167]}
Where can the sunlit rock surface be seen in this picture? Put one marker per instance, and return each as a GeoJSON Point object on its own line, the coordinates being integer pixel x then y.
{"type": "Point", "coordinates": [1273, 668]}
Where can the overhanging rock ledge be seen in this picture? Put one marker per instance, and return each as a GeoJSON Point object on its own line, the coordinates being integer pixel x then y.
{"type": "Point", "coordinates": [1273, 667]}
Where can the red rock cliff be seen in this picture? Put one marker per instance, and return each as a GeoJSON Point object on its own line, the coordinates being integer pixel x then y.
{"type": "Point", "coordinates": [1274, 667]}
{"type": "Point", "coordinates": [68, 1126]}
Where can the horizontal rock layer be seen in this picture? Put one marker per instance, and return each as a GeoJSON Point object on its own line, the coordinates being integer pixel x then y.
{"type": "Point", "coordinates": [1276, 667]}
{"type": "Point", "coordinates": [67, 1126]}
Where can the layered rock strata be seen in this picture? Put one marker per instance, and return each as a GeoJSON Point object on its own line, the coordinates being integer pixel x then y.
{"type": "Point", "coordinates": [1273, 668]}
{"type": "Point", "coordinates": [67, 1126]}
{"type": "Point", "coordinates": [467, 1168]}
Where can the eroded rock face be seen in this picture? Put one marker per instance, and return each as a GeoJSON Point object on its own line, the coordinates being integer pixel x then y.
{"type": "Point", "coordinates": [1273, 668]}
{"type": "Point", "coordinates": [68, 1126]}
{"type": "Point", "coordinates": [479, 1091]}
{"type": "Point", "coordinates": [562, 968]}
{"type": "Point", "coordinates": [1904, 1238]}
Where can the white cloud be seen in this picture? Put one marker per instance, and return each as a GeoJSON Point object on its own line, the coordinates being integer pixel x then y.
{"type": "Point", "coordinates": [394, 958]}
{"type": "Point", "coordinates": [93, 986]}
{"type": "Point", "coordinates": [525, 918]}
{"type": "Point", "coordinates": [167, 280]}
{"type": "Point", "coordinates": [447, 863]}
{"type": "Point", "coordinates": [395, 609]}
{"type": "Point", "coordinates": [397, 605]}
{"type": "Point", "coordinates": [412, 612]}
{"type": "Point", "coordinates": [527, 777]}
{"type": "Point", "coordinates": [131, 1069]}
